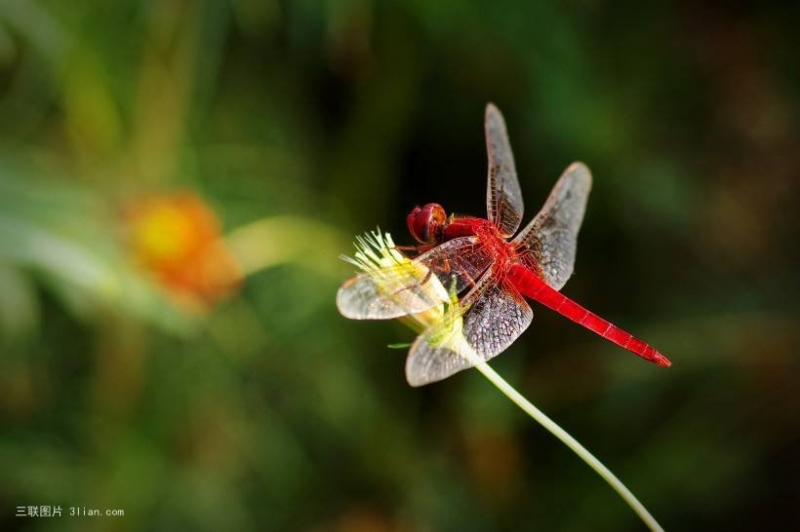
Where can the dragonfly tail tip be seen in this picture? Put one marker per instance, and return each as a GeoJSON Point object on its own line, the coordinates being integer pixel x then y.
{"type": "Point", "coordinates": [661, 360]}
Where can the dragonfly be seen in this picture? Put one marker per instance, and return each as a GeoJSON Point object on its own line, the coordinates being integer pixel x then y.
{"type": "Point", "coordinates": [489, 269]}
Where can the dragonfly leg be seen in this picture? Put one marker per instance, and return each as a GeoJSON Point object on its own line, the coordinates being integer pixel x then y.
{"type": "Point", "coordinates": [414, 250]}
{"type": "Point", "coordinates": [444, 269]}
{"type": "Point", "coordinates": [472, 282]}
{"type": "Point", "coordinates": [407, 248]}
{"type": "Point", "coordinates": [427, 278]}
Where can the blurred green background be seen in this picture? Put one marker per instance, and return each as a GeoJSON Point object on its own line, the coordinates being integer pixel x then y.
{"type": "Point", "coordinates": [247, 403]}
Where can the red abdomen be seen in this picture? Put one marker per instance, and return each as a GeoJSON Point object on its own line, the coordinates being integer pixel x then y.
{"type": "Point", "coordinates": [530, 285]}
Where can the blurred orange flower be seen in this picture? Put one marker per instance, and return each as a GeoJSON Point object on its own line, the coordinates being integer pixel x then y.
{"type": "Point", "coordinates": [177, 238]}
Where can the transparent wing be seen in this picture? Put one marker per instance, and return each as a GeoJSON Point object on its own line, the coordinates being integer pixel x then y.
{"type": "Point", "coordinates": [489, 319]}
{"type": "Point", "coordinates": [503, 195]}
{"type": "Point", "coordinates": [388, 293]}
{"type": "Point", "coordinates": [458, 263]}
{"type": "Point", "coordinates": [415, 285]}
{"type": "Point", "coordinates": [552, 236]}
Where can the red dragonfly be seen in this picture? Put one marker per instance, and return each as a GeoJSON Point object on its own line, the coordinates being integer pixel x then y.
{"type": "Point", "coordinates": [488, 269]}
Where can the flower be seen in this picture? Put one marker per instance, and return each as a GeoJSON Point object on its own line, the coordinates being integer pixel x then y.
{"type": "Point", "coordinates": [392, 273]}
{"type": "Point", "coordinates": [177, 239]}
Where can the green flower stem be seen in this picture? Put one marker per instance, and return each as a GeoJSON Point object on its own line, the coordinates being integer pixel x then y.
{"type": "Point", "coordinates": [570, 442]}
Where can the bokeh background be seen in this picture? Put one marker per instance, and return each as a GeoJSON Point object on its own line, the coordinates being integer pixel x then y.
{"type": "Point", "coordinates": [178, 179]}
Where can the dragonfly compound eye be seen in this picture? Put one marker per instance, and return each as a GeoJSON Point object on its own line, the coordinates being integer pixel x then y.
{"type": "Point", "coordinates": [426, 223]}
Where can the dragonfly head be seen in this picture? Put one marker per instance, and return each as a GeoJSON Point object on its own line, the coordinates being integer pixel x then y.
{"type": "Point", "coordinates": [427, 223]}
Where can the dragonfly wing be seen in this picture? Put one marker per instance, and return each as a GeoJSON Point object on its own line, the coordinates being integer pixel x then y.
{"type": "Point", "coordinates": [495, 317]}
{"type": "Point", "coordinates": [388, 293]}
{"type": "Point", "coordinates": [461, 261]}
{"type": "Point", "coordinates": [416, 285]}
{"type": "Point", "coordinates": [503, 195]}
{"type": "Point", "coordinates": [552, 236]}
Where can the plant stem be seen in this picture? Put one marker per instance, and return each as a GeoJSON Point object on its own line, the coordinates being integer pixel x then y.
{"type": "Point", "coordinates": [572, 443]}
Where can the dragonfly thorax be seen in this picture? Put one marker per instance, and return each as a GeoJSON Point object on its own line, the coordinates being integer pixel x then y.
{"type": "Point", "coordinates": [495, 245]}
